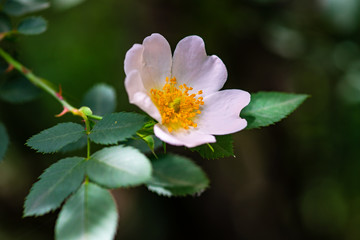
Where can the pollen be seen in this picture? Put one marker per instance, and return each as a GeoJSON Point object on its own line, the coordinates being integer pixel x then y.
{"type": "Point", "coordinates": [177, 107]}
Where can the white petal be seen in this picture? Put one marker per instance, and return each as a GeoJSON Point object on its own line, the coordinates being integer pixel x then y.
{"type": "Point", "coordinates": [220, 113]}
{"type": "Point", "coordinates": [152, 60]}
{"type": "Point", "coordinates": [187, 138]}
{"type": "Point", "coordinates": [157, 61]}
{"type": "Point", "coordinates": [134, 58]}
{"type": "Point", "coordinates": [139, 96]}
{"type": "Point", "coordinates": [192, 66]}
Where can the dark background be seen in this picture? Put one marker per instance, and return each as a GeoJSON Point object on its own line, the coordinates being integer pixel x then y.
{"type": "Point", "coordinates": [298, 179]}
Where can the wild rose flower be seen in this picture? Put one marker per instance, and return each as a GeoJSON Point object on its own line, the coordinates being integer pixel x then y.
{"type": "Point", "coordinates": [181, 92]}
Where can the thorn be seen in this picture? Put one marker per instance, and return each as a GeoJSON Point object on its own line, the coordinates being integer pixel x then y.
{"type": "Point", "coordinates": [10, 68]}
{"type": "Point", "coordinates": [63, 112]}
{"type": "Point", "coordinates": [59, 94]}
{"type": "Point", "coordinates": [25, 70]}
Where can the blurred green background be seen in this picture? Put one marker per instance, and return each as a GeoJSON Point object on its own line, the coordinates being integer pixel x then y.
{"type": "Point", "coordinates": [298, 179]}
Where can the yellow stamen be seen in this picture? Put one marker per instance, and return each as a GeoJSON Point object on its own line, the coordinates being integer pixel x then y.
{"type": "Point", "coordinates": [177, 107]}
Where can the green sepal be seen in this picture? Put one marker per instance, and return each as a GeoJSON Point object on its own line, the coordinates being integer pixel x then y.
{"type": "Point", "coordinates": [55, 185]}
{"type": "Point", "coordinates": [175, 175]}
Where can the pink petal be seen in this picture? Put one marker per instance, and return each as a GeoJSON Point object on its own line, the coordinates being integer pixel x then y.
{"type": "Point", "coordinates": [188, 138]}
{"type": "Point", "coordinates": [139, 96]}
{"type": "Point", "coordinates": [193, 67]}
{"type": "Point", "coordinates": [220, 113]}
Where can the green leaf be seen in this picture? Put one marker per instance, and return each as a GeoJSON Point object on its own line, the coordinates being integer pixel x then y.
{"type": "Point", "coordinates": [21, 7]}
{"type": "Point", "coordinates": [223, 147]}
{"type": "Point", "coordinates": [65, 4]}
{"type": "Point", "coordinates": [119, 166]}
{"type": "Point", "coordinates": [89, 214]}
{"type": "Point", "coordinates": [267, 108]}
{"type": "Point", "coordinates": [32, 26]}
{"type": "Point", "coordinates": [18, 90]}
{"type": "Point", "coordinates": [5, 23]}
{"type": "Point", "coordinates": [4, 140]}
{"type": "Point", "coordinates": [57, 137]}
{"type": "Point", "coordinates": [146, 145]}
{"type": "Point", "coordinates": [55, 184]}
{"type": "Point", "coordinates": [101, 99]}
{"type": "Point", "coordinates": [79, 144]}
{"type": "Point", "coordinates": [175, 175]}
{"type": "Point", "coordinates": [116, 127]}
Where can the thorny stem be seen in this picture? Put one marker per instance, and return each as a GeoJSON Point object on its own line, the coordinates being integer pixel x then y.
{"type": "Point", "coordinates": [46, 86]}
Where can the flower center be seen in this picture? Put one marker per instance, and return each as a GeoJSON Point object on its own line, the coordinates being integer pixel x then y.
{"type": "Point", "coordinates": [177, 107]}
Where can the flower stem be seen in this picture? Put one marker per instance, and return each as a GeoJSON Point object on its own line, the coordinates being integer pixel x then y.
{"type": "Point", "coordinates": [47, 87]}
{"type": "Point", "coordinates": [44, 85]}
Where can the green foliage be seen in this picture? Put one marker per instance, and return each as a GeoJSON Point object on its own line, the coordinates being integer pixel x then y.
{"type": "Point", "coordinates": [18, 90]}
{"type": "Point", "coordinates": [223, 147]}
{"type": "Point", "coordinates": [21, 7]}
{"type": "Point", "coordinates": [4, 140]}
{"type": "Point", "coordinates": [147, 145]}
{"type": "Point", "coordinates": [65, 4]}
{"type": "Point", "coordinates": [267, 108]}
{"type": "Point", "coordinates": [55, 184]}
{"type": "Point", "coordinates": [79, 144]}
{"type": "Point", "coordinates": [89, 214]}
{"type": "Point", "coordinates": [32, 26]}
{"type": "Point", "coordinates": [101, 99]}
{"type": "Point", "coordinates": [5, 23]}
{"type": "Point", "coordinates": [175, 175]}
{"type": "Point", "coordinates": [116, 127]}
{"type": "Point", "coordinates": [119, 166]}
{"type": "Point", "coordinates": [57, 137]}
{"type": "Point", "coordinates": [3, 65]}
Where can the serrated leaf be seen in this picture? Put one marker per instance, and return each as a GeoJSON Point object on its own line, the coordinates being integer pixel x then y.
{"type": "Point", "coordinates": [119, 166]}
{"type": "Point", "coordinates": [175, 175]}
{"type": "Point", "coordinates": [101, 99]}
{"type": "Point", "coordinates": [18, 90]}
{"type": "Point", "coordinates": [267, 108]}
{"type": "Point", "coordinates": [79, 144]}
{"type": "Point", "coordinates": [89, 214]}
{"type": "Point", "coordinates": [5, 23]}
{"type": "Point", "coordinates": [21, 7]}
{"type": "Point", "coordinates": [57, 137]}
{"type": "Point", "coordinates": [32, 26]}
{"type": "Point", "coordinates": [4, 140]}
{"type": "Point", "coordinates": [223, 147]}
{"type": "Point", "coordinates": [55, 184]}
{"type": "Point", "coordinates": [116, 127]}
